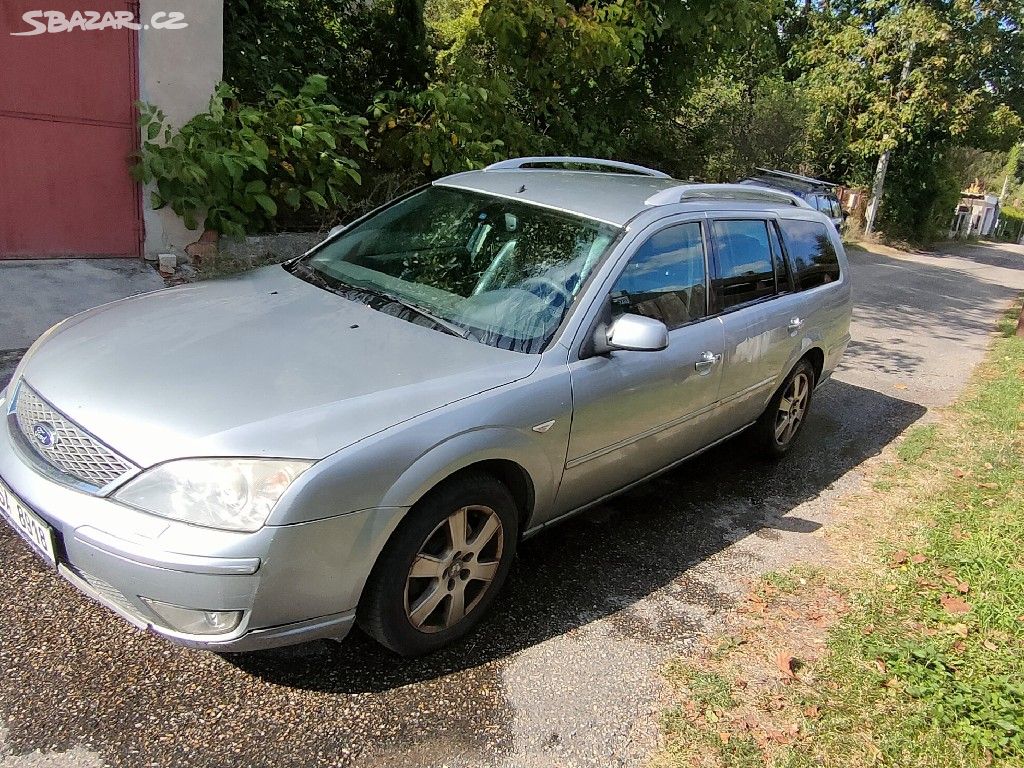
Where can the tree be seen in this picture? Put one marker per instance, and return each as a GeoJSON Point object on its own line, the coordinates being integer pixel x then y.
{"type": "Point", "coordinates": [853, 63]}
{"type": "Point", "coordinates": [586, 74]}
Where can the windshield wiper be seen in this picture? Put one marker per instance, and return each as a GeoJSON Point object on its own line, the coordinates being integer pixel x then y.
{"type": "Point", "coordinates": [440, 322]}
{"type": "Point", "coordinates": [335, 285]}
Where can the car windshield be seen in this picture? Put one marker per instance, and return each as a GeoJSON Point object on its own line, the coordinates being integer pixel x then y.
{"type": "Point", "coordinates": [501, 272]}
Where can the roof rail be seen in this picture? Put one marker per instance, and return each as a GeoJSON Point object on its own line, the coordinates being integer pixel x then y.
{"type": "Point", "coordinates": [796, 177]}
{"type": "Point", "coordinates": [740, 192]}
{"type": "Point", "coordinates": [519, 163]}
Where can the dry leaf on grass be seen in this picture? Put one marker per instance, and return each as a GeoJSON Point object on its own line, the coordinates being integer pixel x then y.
{"type": "Point", "coordinates": [812, 712]}
{"type": "Point", "coordinates": [954, 604]}
{"type": "Point", "coordinates": [960, 629]}
{"type": "Point", "coordinates": [901, 557]}
{"type": "Point", "coordinates": [786, 664]}
{"type": "Point", "coordinates": [990, 486]}
{"type": "Point", "coordinates": [918, 559]}
{"type": "Point", "coordinates": [990, 645]}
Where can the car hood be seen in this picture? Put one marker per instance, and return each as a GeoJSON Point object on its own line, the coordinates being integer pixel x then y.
{"type": "Point", "coordinates": [262, 364]}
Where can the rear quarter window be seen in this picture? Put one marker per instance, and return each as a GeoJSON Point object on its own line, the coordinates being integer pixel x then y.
{"type": "Point", "coordinates": [811, 253]}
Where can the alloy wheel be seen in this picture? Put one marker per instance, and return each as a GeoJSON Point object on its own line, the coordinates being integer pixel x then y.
{"type": "Point", "coordinates": [792, 408]}
{"type": "Point", "coordinates": [453, 568]}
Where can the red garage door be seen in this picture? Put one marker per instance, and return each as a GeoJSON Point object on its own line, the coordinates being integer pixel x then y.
{"type": "Point", "coordinates": [67, 135]}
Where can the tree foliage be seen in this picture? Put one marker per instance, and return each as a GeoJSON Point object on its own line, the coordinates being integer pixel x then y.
{"type": "Point", "coordinates": [705, 89]}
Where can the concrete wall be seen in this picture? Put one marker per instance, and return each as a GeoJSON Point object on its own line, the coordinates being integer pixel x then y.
{"type": "Point", "coordinates": [178, 69]}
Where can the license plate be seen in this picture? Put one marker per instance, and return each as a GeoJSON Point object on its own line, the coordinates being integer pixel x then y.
{"type": "Point", "coordinates": [27, 523]}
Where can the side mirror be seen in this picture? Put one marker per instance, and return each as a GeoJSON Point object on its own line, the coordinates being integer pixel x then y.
{"type": "Point", "coordinates": [635, 333]}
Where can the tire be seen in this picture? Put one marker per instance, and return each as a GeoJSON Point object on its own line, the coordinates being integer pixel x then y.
{"type": "Point", "coordinates": [415, 614]}
{"type": "Point", "coordinates": [778, 428]}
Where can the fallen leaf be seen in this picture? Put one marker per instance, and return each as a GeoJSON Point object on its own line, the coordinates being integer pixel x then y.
{"type": "Point", "coordinates": [959, 646]}
{"type": "Point", "coordinates": [963, 587]}
{"type": "Point", "coordinates": [958, 533]}
{"type": "Point", "coordinates": [954, 604]}
{"type": "Point", "coordinates": [785, 661]}
{"type": "Point", "coordinates": [918, 559]}
{"type": "Point", "coordinates": [867, 629]}
{"type": "Point", "coordinates": [880, 666]}
{"type": "Point", "coordinates": [989, 502]}
{"type": "Point", "coordinates": [988, 465]}
{"type": "Point", "coordinates": [899, 386]}
{"type": "Point", "coordinates": [812, 712]}
{"type": "Point", "coordinates": [890, 587]}
{"type": "Point", "coordinates": [960, 629]}
{"type": "Point", "coordinates": [959, 473]}
{"type": "Point", "coordinates": [892, 682]}
{"type": "Point", "coordinates": [990, 486]}
{"type": "Point", "coordinates": [899, 558]}
{"type": "Point", "coordinates": [990, 645]}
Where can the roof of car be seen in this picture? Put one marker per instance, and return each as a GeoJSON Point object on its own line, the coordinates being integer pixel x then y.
{"type": "Point", "coordinates": [611, 197]}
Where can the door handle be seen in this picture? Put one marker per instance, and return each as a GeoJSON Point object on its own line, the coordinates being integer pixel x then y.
{"type": "Point", "coordinates": [795, 324]}
{"type": "Point", "coordinates": [706, 362]}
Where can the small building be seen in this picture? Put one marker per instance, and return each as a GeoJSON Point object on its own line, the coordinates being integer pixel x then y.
{"type": "Point", "coordinates": [976, 215]}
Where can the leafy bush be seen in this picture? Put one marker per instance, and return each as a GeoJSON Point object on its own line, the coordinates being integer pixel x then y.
{"type": "Point", "coordinates": [442, 129]}
{"type": "Point", "coordinates": [246, 168]}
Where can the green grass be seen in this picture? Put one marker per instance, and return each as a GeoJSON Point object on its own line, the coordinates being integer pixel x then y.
{"type": "Point", "coordinates": [949, 631]}
{"type": "Point", "coordinates": [927, 668]}
{"type": "Point", "coordinates": [916, 443]}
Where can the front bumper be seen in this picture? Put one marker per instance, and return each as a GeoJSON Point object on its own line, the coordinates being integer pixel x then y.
{"type": "Point", "coordinates": [291, 583]}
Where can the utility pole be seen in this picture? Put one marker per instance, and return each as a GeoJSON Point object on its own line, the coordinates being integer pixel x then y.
{"type": "Point", "coordinates": [878, 187]}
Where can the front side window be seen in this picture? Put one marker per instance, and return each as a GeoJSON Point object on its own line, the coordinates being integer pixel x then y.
{"type": "Point", "coordinates": [811, 253]}
{"type": "Point", "coordinates": [665, 278]}
{"type": "Point", "coordinates": [501, 272]}
{"type": "Point", "coordinates": [743, 260]}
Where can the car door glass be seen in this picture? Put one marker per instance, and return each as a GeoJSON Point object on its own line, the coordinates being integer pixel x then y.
{"type": "Point", "coordinates": [811, 252]}
{"type": "Point", "coordinates": [743, 260]}
{"type": "Point", "coordinates": [782, 284]}
{"type": "Point", "coordinates": [665, 278]}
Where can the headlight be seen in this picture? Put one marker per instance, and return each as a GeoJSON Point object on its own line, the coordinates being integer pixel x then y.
{"type": "Point", "coordinates": [231, 494]}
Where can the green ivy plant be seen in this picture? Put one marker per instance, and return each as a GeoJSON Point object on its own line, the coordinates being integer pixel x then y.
{"type": "Point", "coordinates": [243, 168]}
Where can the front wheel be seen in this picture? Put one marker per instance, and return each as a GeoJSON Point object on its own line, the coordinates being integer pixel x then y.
{"type": "Point", "coordinates": [782, 421]}
{"type": "Point", "coordinates": [442, 567]}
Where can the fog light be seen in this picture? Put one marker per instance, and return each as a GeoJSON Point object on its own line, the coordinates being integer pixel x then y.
{"type": "Point", "coordinates": [193, 622]}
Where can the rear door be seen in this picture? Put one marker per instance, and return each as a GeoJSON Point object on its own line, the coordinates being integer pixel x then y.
{"type": "Point", "coordinates": [820, 305]}
{"type": "Point", "coordinates": [749, 279]}
{"type": "Point", "coordinates": [637, 412]}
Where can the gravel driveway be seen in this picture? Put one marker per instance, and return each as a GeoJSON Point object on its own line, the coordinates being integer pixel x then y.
{"type": "Point", "coordinates": [565, 672]}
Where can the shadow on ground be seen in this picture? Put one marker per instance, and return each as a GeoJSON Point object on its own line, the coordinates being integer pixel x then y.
{"type": "Point", "coordinates": [607, 559]}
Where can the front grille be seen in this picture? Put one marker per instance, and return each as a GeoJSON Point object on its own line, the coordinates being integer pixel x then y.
{"type": "Point", "coordinates": [72, 450]}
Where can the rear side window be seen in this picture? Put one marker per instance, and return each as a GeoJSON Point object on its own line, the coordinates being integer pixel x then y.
{"type": "Point", "coordinates": [811, 253]}
{"type": "Point", "coordinates": [743, 260]}
{"type": "Point", "coordinates": [665, 278]}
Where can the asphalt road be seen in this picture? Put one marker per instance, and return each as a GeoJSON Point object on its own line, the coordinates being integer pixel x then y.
{"type": "Point", "coordinates": [565, 672]}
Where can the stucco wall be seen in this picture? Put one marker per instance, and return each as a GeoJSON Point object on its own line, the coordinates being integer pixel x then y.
{"type": "Point", "coordinates": [178, 69]}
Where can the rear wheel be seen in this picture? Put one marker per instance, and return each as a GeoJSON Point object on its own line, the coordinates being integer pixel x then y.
{"type": "Point", "coordinates": [783, 420]}
{"type": "Point", "coordinates": [443, 566]}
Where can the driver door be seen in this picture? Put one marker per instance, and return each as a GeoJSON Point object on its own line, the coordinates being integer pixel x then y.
{"type": "Point", "coordinates": [637, 412]}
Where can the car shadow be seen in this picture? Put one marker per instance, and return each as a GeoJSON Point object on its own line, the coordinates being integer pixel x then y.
{"type": "Point", "coordinates": [603, 561]}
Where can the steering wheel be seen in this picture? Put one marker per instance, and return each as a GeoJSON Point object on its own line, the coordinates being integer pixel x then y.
{"type": "Point", "coordinates": [544, 287]}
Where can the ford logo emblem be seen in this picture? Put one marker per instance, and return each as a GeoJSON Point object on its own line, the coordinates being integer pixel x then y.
{"type": "Point", "coordinates": [44, 434]}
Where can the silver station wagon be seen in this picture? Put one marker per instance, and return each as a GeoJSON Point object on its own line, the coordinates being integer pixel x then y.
{"type": "Point", "coordinates": [364, 434]}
